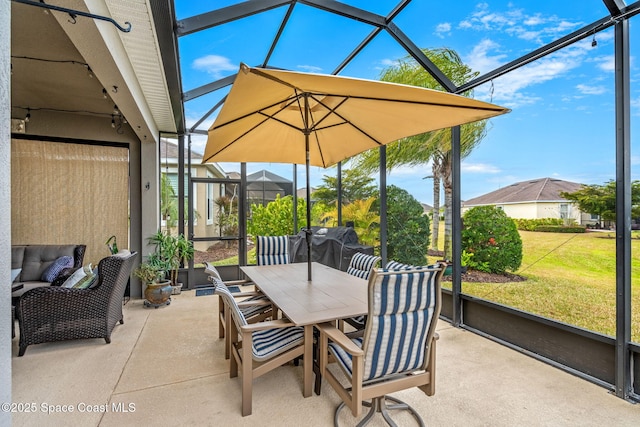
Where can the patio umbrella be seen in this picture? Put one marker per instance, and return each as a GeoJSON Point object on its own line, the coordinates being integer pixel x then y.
{"type": "Point", "coordinates": [314, 119]}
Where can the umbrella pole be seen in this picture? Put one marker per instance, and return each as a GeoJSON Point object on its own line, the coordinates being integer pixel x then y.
{"type": "Point", "coordinates": [306, 143]}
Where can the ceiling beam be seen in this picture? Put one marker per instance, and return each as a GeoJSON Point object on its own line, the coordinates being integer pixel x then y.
{"type": "Point", "coordinates": [615, 6]}
{"type": "Point", "coordinates": [226, 14]}
{"type": "Point", "coordinates": [209, 87]}
{"type": "Point", "coordinates": [420, 57]}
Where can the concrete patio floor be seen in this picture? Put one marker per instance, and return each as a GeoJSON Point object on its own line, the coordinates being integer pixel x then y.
{"type": "Point", "coordinates": [166, 367]}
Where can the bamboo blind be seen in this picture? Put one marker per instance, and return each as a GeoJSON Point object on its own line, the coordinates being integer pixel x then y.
{"type": "Point", "coordinates": [69, 193]}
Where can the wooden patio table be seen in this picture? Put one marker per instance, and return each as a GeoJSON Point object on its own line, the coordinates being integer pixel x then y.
{"type": "Point", "coordinates": [330, 295]}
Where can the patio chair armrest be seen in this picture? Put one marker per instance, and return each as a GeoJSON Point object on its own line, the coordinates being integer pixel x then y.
{"type": "Point", "coordinates": [246, 294]}
{"type": "Point", "coordinates": [269, 324]}
{"type": "Point", "coordinates": [238, 282]}
{"type": "Point", "coordinates": [265, 303]}
{"type": "Point", "coordinates": [337, 336]}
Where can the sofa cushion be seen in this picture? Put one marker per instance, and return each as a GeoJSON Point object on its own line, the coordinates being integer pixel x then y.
{"type": "Point", "coordinates": [37, 258]}
{"type": "Point", "coordinates": [54, 269]}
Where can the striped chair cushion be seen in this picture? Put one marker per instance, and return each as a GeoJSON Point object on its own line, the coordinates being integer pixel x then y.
{"type": "Point", "coordinates": [400, 315]}
{"type": "Point", "coordinates": [266, 343]}
{"type": "Point", "coordinates": [212, 271]}
{"type": "Point", "coordinates": [222, 290]}
{"type": "Point", "coordinates": [272, 342]}
{"type": "Point", "coordinates": [246, 311]}
{"type": "Point", "coordinates": [395, 265]}
{"type": "Point", "coordinates": [361, 265]}
{"type": "Point", "coordinates": [272, 250]}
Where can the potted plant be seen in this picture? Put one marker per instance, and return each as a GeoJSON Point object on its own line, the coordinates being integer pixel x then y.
{"type": "Point", "coordinates": [182, 254]}
{"type": "Point", "coordinates": [157, 289]}
{"type": "Point", "coordinates": [172, 252]}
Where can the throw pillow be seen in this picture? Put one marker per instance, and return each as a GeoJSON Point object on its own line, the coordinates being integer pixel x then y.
{"type": "Point", "coordinates": [86, 281]}
{"type": "Point", "coordinates": [15, 272]}
{"type": "Point", "coordinates": [123, 253]}
{"type": "Point", "coordinates": [75, 277]}
{"type": "Point", "coordinates": [51, 272]}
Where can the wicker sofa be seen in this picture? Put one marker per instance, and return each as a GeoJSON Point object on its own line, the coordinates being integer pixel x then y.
{"type": "Point", "coordinates": [53, 313]}
{"type": "Point", "coordinates": [33, 260]}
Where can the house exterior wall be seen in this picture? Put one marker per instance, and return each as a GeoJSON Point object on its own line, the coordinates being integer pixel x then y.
{"type": "Point", "coordinates": [5, 205]}
{"type": "Point", "coordinates": [539, 210]}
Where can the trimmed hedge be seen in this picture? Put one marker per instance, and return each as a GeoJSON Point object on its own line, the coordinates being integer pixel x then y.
{"type": "Point", "coordinates": [560, 228]}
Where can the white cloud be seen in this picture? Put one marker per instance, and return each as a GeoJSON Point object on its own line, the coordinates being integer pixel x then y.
{"type": "Point", "coordinates": [214, 65]}
{"type": "Point", "coordinates": [515, 22]}
{"type": "Point", "coordinates": [479, 168]}
{"type": "Point", "coordinates": [591, 90]}
{"type": "Point", "coordinates": [443, 29]}
{"type": "Point", "coordinates": [606, 63]}
{"type": "Point", "coordinates": [510, 89]}
{"type": "Point", "coordinates": [309, 68]}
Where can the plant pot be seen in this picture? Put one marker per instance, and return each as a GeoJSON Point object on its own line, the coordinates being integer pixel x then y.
{"type": "Point", "coordinates": [176, 289]}
{"type": "Point", "coordinates": [157, 294]}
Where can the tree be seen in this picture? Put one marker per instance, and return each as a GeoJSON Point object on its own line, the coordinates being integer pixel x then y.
{"type": "Point", "coordinates": [408, 228]}
{"type": "Point", "coordinates": [356, 185]}
{"type": "Point", "coordinates": [601, 199]}
{"type": "Point", "coordinates": [276, 218]}
{"type": "Point", "coordinates": [366, 222]}
{"type": "Point", "coordinates": [434, 147]}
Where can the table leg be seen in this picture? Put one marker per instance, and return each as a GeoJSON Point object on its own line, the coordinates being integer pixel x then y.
{"type": "Point", "coordinates": [308, 360]}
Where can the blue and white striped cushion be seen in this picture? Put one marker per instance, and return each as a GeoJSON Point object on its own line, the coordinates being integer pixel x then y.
{"type": "Point", "coordinates": [400, 317]}
{"type": "Point", "coordinates": [361, 265]}
{"type": "Point", "coordinates": [272, 250]}
{"type": "Point", "coordinates": [251, 310]}
{"type": "Point", "coordinates": [222, 290]}
{"type": "Point", "coordinates": [395, 265]}
{"type": "Point", "coordinates": [271, 342]}
{"type": "Point", "coordinates": [266, 343]}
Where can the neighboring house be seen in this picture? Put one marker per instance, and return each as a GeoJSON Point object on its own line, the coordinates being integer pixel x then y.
{"type": "Point", "coordinates": [263, 187]}
{"type": "Point", "coordinates": [204, 195]}
{"type": "Point", "coordinates": [535, 199]}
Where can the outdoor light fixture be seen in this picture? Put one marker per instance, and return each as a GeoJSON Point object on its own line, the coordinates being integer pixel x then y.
{"type": "Point", "coordinates": [104, 93]}
{"type": "Point", "coordinates": [113, 122]}
{"type": "Point", "coordinates": [28, 116]}
{"type": "Point", "coordinates": [89, 71]}
{"type": "Point", "coordinates": [594, 42]}
{"type": "Point", "coordinates": [115, 110]}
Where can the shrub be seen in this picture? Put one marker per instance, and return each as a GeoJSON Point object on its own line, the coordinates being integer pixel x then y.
{"type": "Point", "coordinates": [493, 238]}
{"type": "Point", "coordinates": [532, 224]}
{"type": "Point", "coordinates": [409, 229]}
{"type": "Point", "coordinates": [560, 228]}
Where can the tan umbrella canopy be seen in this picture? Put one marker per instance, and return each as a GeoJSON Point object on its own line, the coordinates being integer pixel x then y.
{"type": "Point", "coordinates": [314, 119]}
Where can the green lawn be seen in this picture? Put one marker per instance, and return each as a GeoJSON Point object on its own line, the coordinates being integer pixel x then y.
{"type": "Point", "coordinates": [571, 278]}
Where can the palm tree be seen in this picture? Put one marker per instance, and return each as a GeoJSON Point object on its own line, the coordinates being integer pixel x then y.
{"type": "Point", "coordinates": [435, 146]}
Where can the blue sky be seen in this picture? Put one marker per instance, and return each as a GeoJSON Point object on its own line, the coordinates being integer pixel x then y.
{"type": "Point", "coordinates": [562, 123]}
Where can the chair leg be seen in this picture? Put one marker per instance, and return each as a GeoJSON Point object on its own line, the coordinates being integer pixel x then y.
{"type": "Point", "coordinates": [379, 404]}
{"type": "Point", "coordinates": [227, 334]}
{"type": "Point", "coordinates": [247, 374]}
{"type": "Point", "coordinates": [221, 316]}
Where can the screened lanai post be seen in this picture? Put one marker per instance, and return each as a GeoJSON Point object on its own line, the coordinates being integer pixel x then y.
{"type": "Point", "coordinates": [295, 198]}
{"type": "Point", "coordinates": [383, 204]}
{"type": "Point", "coordinates": [623, 381]}
{"type": "Point", "coordinates": [307, 131]}
{"type": "Point", "coordinates": [339, 192]}
{"type": "Point", "coordinates": [456, 222]}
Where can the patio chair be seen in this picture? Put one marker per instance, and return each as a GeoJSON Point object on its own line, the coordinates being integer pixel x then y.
{"type": "Point", "coordinates": [397, 350]}
{"type": "Point", "coordinates": [272, 250]}
{"type": "Point", "coordinates": [259, 347]}
{"type": "Point", "coordinates": [54, 313]}
{"type": "Point", "coordinates": [361, 266]}
{"type": "Point", "coordinates": [254, 312]}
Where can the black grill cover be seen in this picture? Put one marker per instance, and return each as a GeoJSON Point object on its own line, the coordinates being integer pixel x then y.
{"type": "Point", "coordinates": [333, 246]}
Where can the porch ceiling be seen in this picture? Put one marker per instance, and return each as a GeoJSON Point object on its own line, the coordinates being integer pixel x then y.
{"type": "Point", "coordinates": [51, 57]}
